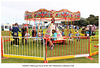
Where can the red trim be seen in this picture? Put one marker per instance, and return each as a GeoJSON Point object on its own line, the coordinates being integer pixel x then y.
{"type": "Point", "coordinates": [71, 47]}
{"type": "Point", "coordinates": [61, 50]}
{"type": "Point", "coordinates": [63, 46]}
{"type": "Point", "coordinates": [96, 46]}
{"type": "Point", "coordinates": [6, 40]}
{"type": "Point", "coordinates": [58, 49]}
{"type": "Point", "coordinates": [83, 47]}
{"type": "Point", "coordinates": [89, 57]}
{"type": "Point", "coordinates": [60, 18]}
{"type": "Point", "coordinates": [79, 46]}
{"type": "Point", "coordinates": [1, 48]}
{"type": "Point", "coordinates": [55, 49]}
{"type": "Point", "coordinates": [74, 46]}
{"type": "Point", "coordinates": [58, 41]}
{"type": "Point", "coordinates": [45, 61]}
{"type": "Point", "coordinates": [89, 46]}
{"type": "Point", "coordinates": [86, 44]}
{"type": "Point", "coordinates": [46, 50]}
{"type": "Point", "coordinates": [52, 52]}
{"type": "Point", "coordinates": [66, 48]}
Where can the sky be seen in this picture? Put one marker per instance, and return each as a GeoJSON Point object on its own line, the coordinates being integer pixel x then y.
{"type": "Point", "coordinates": [13, 11]}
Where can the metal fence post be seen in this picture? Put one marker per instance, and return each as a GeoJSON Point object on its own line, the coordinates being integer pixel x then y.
{"type": "Point", "coordinates": [45, 51]}
{"type": "Point", "coordinates": [1, 48]}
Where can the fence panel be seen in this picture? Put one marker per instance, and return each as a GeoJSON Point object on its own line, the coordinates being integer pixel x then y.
{"type": "Point", "coordinates": [70, 46]}
{"type": "Point", "coordinates": [23, 46]}
{"type": "Point", "coordinates": [94, 45]}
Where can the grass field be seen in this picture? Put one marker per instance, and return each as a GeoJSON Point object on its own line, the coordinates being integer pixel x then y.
{"type": "Point", "coordinates": [72, 60]}
{"type": "Point", "coordinates": [33, 49]}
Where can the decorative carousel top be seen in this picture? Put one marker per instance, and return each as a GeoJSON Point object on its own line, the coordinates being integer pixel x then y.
{"type": "Point", "coordinates": [46, 14]}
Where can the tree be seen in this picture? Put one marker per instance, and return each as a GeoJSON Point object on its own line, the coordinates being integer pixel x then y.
{"type": "Point", "coordinates": [81, 22]}
{"type": "Point", "coordinates": [93, 19]}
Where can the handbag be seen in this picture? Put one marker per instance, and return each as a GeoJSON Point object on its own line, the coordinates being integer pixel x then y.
{"type": "Point", "coordinates": [15, 34]}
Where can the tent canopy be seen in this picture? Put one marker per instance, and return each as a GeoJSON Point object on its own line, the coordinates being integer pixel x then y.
{"type": "Point", "coordinates": [48, 32]}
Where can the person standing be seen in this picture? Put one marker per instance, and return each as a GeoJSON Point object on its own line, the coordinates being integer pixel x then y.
{"type": "Point", "coordinates": [23, 30]}
{"type": "Point", "coordinates": [10, 28]}
{"type": "Point", "coordinates": [34, 32]}
{"type": "Point", "coordinates": [89, 30]}
{"type": "Point", "coordinates": [93, 28]}
{"type": "Point", "coordinates": [15, 30]}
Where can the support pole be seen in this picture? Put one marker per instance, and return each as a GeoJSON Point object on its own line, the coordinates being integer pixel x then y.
{"type": "Point", "coordinates": [29, 26]}
{"type": "Point", "coordinates": [90, 47]}
{"type": "Point", "coordinates": [42, 29]}
{"type": "Point", "coordinates": [1, 48]}
{"type": "Point", "coordinates": [45, 60]}
{"type": "Point", "coordinates": [71, 26]}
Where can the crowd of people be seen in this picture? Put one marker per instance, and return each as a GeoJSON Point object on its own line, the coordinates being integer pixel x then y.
{"type": "Point", "coordinates": [88, 31]}
{"type": "Point", "coordinates": [24, 33]}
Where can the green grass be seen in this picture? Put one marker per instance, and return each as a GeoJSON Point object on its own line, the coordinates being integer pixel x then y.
{"type": "Point", "coordinates": [33, 49]}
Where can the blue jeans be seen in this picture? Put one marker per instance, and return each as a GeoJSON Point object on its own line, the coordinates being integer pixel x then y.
{"type": "Point", "coordinates": [78, 38]}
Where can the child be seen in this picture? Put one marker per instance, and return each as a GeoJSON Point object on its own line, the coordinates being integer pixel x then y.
{"type": "Point", "coordinates": [52, 39]}
{"type": "Point", "coordinates": [77, 35]}
{"type": "Point", "coordinates": [63, 32]}
{"type": "Point", "coordinates": [26, 35]}
{"type": "Point", "coordinates": [87, 33]}
{"type": "Point", "coordinates": [70, 37]}
{"type": "Point", "coordinates": [39, 34]}
{"type": "Point", "coordinates": [75, 28]}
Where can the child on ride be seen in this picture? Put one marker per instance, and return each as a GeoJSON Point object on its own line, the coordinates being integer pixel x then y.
{"type": "Point", "coordinates": [63, 32]}
{"type": "Point", "coordinates": [77, 35]}
{"type": "Point", "coordinates": [54, 37]}
{"type": "Point", "coordinates": [70, 37]}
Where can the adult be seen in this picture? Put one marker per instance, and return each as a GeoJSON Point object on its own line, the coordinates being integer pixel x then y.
{"type": "Point", "coordinates": [15, 30]}
{"type": "Point", "coordinates": [34, 32]}
{"type": "Point", "coordinates": [93, 28]}
{"type": "Point", "coordinates": [10, 28]}
{"type": "Point", "coordinates": [75, 28]}
{"type": "Point", "coordinates": [23, 30]}
{"type": "Point", "coordinates": [89, 30]}
{"type": "Point", "coordinates": [83, 30]}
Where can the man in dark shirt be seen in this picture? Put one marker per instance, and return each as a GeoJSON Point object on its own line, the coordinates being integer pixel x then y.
{"type": "Point", "coordinates": [23, 30]}
{"type": "Point", "coordinates": [15, 30]}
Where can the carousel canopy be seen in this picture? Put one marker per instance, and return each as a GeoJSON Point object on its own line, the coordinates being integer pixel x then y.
{"type": "Point", "coordinates": [48, 14]}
